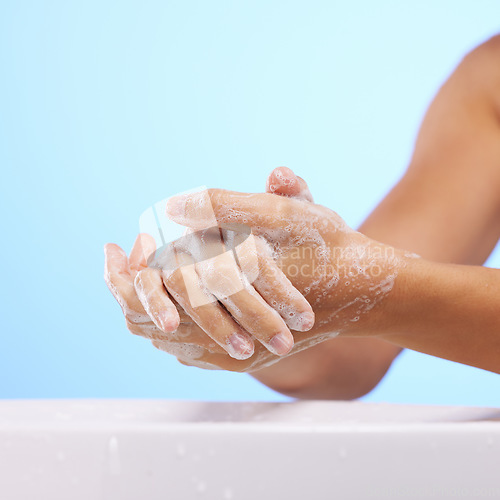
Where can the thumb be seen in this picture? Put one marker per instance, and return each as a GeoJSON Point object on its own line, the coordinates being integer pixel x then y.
{"type": "Point", "coordinates": [284, 182]}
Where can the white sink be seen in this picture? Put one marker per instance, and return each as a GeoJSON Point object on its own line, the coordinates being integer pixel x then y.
{"type": "Point", "coordinates": [143, 449]}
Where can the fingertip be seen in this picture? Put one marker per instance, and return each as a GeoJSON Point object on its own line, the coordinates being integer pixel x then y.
{"type": "Point", "coordinates": [305, 321]}
{"type": "Point", "coordinates": [285, 174]}
{"type": "Point", "coordinates": [272, 183]}
{"type": "Point", "coordinates": [173, 323]}
{"type": "Point", "coordinates": [301, 320]}
{"type": "Point", "coordinates": [282, 180]}
{"type": "Point", "coordinates": [113, 247]}
{"type": "Point", "coordinates": [169, 320]}
{"type": "Point", "coordinates": [196, 210]}
{"type": "Point", "coordinates": [115, 259]}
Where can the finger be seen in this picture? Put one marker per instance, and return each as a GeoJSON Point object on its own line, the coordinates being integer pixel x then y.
{"type": "Point", "coordinates": [115, 260]}
{"type": "Point", "coordinates": [120, 283]}
{"type": "Point", "coordinates": [190, 355]}
{"type": "Point", "coordinates": [116, 270]}
{"type": "Point", "coordinates": [185, 287]}
{"type": "Point", "coordinates": [215, 359]}
{"type": "Point", "coordinates": [192, 335]}
{"type": "Point", "coordinates": [273, 285]}
{"type": "Point", "coordinates": [155, 300]}
{"type": "Point", "coordinates": [222, 277]}
{"type": "Point", "coordinates": [262, 211]}
{"type": "Point", "coordinates": [143, 248]}
{"type": "Point", "coordinates": [284, 182]}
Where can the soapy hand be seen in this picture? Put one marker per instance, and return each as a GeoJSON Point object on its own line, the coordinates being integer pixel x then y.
{"type": "Point", "coordinates": [151, 313]}
{"type": "Point", "coordinates": [338, 304]}
{"type": "Point", "coordinates": [231, 287]}
{"type": "Point", "coordinates": [189, 343]}
{"type": "Point", "coordinates": [342, 273]}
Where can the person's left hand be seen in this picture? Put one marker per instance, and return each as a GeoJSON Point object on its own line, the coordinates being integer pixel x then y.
{"type": "Point", "coordinates": [150, 313]}
{"type": "Point", "coordinates": [188, 342]}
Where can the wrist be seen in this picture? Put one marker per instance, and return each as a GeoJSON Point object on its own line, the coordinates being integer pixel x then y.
{"type": "Point", "coordinates": [408, 298]}
{"type": "Point", "coordinates": [364, 299]}
{"type": "Point", "coordinates": [387, 286]}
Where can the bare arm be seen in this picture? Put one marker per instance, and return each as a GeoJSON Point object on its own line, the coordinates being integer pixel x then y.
{"type": "Point", "coordinates": [445, 208]}
{"type": "Point", "coordinates": [450, 311]}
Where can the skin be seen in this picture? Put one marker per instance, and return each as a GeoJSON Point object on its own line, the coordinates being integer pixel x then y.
{"type": "Point", "coordinates": [445, 209]}
{"type": "Point", "coordinates": [339, 298]}
{"type": "Point", "coordinates": [207, 281]}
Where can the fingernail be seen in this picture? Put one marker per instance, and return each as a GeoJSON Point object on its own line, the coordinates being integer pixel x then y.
{"type": "Point", "coordinates": [176, 206]}
{"type": "Point", "coordinates": [281, 344]}
{"type": "Point", "coordinates": [239, 347]}
{"type": "Point", "coordinates": [167, 320]}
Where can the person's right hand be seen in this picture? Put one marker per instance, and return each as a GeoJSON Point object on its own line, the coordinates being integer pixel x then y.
{"type": "Point", "coordinates": [149, 312]}
{"type": "Point", "coordinates": [343, 274]}
{"type": "Point", "coordinates": [308, 237]}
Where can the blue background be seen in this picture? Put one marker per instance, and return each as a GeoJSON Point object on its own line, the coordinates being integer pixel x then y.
{"type": "Point", "coordinates": [107, 107]}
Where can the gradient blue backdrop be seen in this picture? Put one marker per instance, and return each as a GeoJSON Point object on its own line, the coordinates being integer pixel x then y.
{"type": "Point", "coordinates": [107, 107]}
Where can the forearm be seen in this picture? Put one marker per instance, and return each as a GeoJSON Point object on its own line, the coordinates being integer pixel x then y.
{"type": "Point", "coordinates": [446, 208]}
{"type": "Point", "coordinates": [447, 310]}
{"type": "Point", "coordinates": [341, 368]}
{"type": "Point", "coordinates": [347, 368]}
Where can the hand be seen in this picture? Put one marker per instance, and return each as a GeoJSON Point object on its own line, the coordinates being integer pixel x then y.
{"type": "Point", "coordinates": [286, 183]}
{"type": "Point", "coordinates": [178, 335]}
{"type": "Point", "coordinates": [343, 274]}
{"type": "Point", "coordinates": [119, 274]}
{"type": "Point", "coordinates": [189, 343]}
{"type": "Point", "coordinates": [231, 287]}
